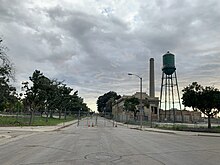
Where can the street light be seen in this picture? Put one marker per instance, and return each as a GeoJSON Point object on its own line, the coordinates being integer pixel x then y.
{"type": "Point", "coordinates": [141, 110]}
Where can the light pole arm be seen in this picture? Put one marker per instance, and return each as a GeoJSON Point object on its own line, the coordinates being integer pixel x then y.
{"type": "Point", "coordinates": [135, 75]}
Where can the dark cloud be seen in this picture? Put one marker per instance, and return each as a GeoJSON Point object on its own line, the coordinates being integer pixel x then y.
{"type": "Point", "coordinates": [93, 47]}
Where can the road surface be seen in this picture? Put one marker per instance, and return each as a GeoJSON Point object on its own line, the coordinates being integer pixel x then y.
{"type": "Point", "coordinates": [107, 145]}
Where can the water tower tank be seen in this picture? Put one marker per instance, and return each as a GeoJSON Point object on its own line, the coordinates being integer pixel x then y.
{"type": "Point", "coordinates": [168, 63]}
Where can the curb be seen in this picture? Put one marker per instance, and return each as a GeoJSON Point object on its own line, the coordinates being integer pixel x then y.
{"type": "Point", "coordinates": [208, 135]}
{"type": "Point", "coordinates": [158, 131]}
{"type": "Point", "coordinates": [5, 136]}
{"type": "Point", "coordinates": [185, 133]}
{"type": "Point", "coordinates": [64, 126]}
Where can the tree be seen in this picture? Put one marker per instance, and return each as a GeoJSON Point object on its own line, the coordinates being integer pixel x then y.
{"type": "Point", "coordinates": [6, 73]}
{"type": "Point", "coordinates": [104, 102]}
{"type": "Point", "coordinates": [54, 99]}
{"type": "Point", "coordinates": [190, 98]}
{"type": "Point", "coordinates": [65, 98]}
{"type": "Point", "coordinates": [130, 105]}
{"type": "Point", "coordinates": [205, 99]}
{"type": "Point", "coordinates": [7, 94]}
{"type": "Point", "coordinates": [50, 96]}
{"type": "Point", "coordinates": [36, 95]}
{"type": "Point", "coordinates": [6, 67]}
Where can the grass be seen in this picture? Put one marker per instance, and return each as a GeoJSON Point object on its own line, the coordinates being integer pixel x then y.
{"type": "Point", "coordinates": [6, 121]}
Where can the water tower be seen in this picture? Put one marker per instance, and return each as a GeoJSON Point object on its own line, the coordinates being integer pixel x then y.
{"type": "Point", "coordinates": [169, 94]}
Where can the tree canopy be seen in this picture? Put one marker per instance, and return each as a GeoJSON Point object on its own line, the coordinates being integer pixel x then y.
{"type": "Point", "coordinates": [130, 105]}
{"type": "Point", "coordinates": [104, 102]}
{"type": "Point", "coordinates": [205, 99]}
{"type": "Point", "coordinates": [7, 92]}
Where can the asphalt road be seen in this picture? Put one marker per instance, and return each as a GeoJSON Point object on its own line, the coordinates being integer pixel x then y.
{"type": "Point", "coordinates": [107, 145]}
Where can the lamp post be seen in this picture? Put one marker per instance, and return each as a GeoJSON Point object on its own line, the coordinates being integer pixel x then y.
{"type": "Point", "coordinates": [141, 107]}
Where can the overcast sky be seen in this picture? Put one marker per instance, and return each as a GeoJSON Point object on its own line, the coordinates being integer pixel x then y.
{"type": "Point", "coordinates": [93, 44]}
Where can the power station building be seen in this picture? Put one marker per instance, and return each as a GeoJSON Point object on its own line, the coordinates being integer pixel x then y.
{"type": "Point", "coordinates": [150, 102]}
{"type": "Point", "coordinates": [150, 108]}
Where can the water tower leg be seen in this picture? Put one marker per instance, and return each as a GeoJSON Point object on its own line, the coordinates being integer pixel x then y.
{"type": "Point", "coordinates": [169, 78]}
{"type": "Point", "coordinates": [166, 97]}
{"type": "Point", "coordinates": [179, 97]}
{"type": "Point", "coordinates": [174, 115]}
{"type": "Point", "coordinates": [161, 94]}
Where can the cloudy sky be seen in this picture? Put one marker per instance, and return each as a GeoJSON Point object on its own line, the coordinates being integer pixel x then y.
{"type": "Point", "coordinates": [93, 44]}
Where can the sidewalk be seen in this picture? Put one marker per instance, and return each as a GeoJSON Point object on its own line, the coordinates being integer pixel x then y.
{"type": "Point", "coordinates": [158, 130]}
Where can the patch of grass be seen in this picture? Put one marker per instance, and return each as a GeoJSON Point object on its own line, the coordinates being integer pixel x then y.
{"type": "Point", "coordinates": [8, 121]}
{"type": "Point", "coordinates": [24, 121]}
{"type": "Point", "coordinates": [215, 130]}
{"type": "Point", "coordinates": [132, 122]}
{"type": "Point", "coordinates": [179, 127]}
{"type": "Point", "coordinates": [171, 127]}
